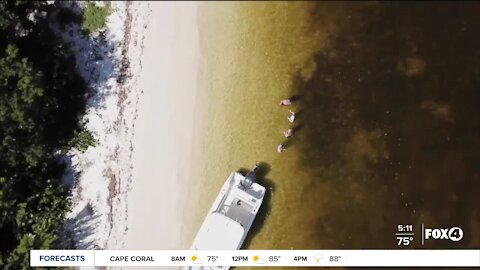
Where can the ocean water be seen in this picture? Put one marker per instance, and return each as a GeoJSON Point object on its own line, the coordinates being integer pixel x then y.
{"type": "Point", "coordinates": [387, 97]}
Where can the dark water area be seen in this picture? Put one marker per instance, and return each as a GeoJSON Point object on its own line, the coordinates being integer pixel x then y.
{"type": "Point", "coordinates": [390, 123]}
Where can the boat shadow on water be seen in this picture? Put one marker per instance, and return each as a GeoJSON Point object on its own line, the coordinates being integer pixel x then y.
{"type": "Point", "coordinates": [264, 211]}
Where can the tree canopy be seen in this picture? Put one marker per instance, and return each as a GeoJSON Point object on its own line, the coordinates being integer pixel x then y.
{"type": "Point", "coordinates": [42, 102]}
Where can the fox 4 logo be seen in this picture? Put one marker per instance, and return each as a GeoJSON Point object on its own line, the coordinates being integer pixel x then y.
{"type": "Point", "coordinates": [454, 234]}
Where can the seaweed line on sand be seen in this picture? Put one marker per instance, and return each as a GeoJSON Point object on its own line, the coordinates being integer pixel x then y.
{"type": "Point", "coordinates": [110, 62]}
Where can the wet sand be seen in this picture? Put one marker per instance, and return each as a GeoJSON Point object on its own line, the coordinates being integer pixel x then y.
{"type": "Point", "coordinates": [388, 129]}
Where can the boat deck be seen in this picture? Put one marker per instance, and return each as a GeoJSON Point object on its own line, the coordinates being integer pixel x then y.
{"type": "Point", "coordinates": [239, 210]}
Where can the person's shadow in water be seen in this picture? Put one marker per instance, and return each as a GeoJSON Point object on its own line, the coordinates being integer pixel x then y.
{"type": "Point", "coordinates": [295, 98]}
{"type": "Point", "coordinates": [266, 207]}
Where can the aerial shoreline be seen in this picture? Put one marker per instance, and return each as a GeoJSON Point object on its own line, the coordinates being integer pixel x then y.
{"type": "Point", "coordinates": [228, 87]}
{"type": "Point", "coordinates": [122, 120]}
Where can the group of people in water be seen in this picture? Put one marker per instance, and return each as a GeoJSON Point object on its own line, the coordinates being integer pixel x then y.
{"type": "Point", "coordinates": [291, 118]}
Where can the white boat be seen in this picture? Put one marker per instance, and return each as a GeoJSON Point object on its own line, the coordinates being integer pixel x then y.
{"type": "Point", "coordinates": [231, 215]}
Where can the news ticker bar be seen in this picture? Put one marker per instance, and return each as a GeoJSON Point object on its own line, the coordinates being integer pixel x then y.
{"type": "Point", "coordinates": [341, 258]}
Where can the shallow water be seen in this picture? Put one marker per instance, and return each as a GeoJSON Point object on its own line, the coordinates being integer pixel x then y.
{"type": "Point", "coordinates": [388, 119]}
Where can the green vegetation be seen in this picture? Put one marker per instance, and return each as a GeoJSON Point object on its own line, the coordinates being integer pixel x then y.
{"type": "Point", "coordinates": [41, 105]}
{"type": "Point", "coordinates": [94, 17]}
{"type": "Point", "coordinates": [82, 140]}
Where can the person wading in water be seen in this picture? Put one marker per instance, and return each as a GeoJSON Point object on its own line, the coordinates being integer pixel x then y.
{"type": "Point", "coordinates": [285, 102]}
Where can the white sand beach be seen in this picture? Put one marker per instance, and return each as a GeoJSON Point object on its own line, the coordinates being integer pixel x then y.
{"type": "Point", "coordinates": [164, 127]}
{"type": "Point", "coordinates": [100, 177]}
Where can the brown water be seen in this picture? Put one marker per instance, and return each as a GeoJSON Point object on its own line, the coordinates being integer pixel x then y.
{"type": "Point", "coordinates": [388, 122]}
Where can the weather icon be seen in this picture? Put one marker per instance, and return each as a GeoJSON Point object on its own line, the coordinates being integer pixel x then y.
{"type": "Point", "coordinates": [318, 258]}
{"type": "Point", "coordinates": [196, 259]}
{"type": "Point", "coordinates": [257, 259]}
